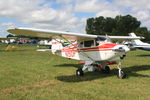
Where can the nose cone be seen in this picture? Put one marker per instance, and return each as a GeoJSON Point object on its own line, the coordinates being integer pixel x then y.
{"type": "Point", "coordinates": [126, 48]}
{"type": "Point", "coordinates": [121, 48]}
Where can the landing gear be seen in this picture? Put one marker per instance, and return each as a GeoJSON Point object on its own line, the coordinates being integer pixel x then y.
{"type": "Point", "coordinates": [93, 67]}
{"type": "Point", "coordinates": [79, 72]}
{"type": "Point", "coordinates": [106, 70]}
{"type": "Point", "coordinates": [121, 74]}
{"type": "Point", "coordinates": [100, 67]}
{"type": "Point", "coordinates": [86, 66]}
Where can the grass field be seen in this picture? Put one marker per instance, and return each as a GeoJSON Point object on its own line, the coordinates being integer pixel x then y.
{"type": "Point", "coordinates": [30, 75]}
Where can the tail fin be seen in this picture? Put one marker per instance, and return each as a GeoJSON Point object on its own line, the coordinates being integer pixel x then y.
{"type": "Point", "coordinates": [55, 46]}
{"type": "Point", "coordinates": [136, 41]}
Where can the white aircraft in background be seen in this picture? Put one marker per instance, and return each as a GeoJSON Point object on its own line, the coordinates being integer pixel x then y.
{"type": "Point", "coordinates": [137, 43]}
{"type": "Point", "coordinates": [97, 51]}
{"type": "Point", "coordinates": [7, 40]}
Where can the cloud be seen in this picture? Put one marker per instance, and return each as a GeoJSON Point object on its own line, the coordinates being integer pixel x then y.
{"type": "Point", "coordinates": [87, 6]}
{"type": "Point", "coordinates": [4, 26]}
{"type": "Point", "coordinates": [63, 1]}
{"type": "Point", "coordinates": [136, 8]}
{"type": "Point", "coordinates": [62, 14]}
{"type": "Point", "coordinates": [14, 8]}
{"type": "Point", "coordinates": [40, 14]}
{"type": "Point", "coordinates": [108, 13]}
{"type": "Point", "coordinates": [91, 5]}
{"type": "Point", "coordinates": [143, 15]}
{"type": "Point", "coordinates": [134, 4]}
{"type": "Point", "coordinates": [146, 23]}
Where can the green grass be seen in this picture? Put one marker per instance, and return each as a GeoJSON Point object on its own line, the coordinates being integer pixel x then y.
{"type": "Point", "coordinates": [30, 75]}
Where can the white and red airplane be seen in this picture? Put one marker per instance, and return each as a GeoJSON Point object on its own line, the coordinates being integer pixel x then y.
{"type": "Point", "coordinates": [137, 43]}
{"type": "Point", "coordinates": [95, 50]}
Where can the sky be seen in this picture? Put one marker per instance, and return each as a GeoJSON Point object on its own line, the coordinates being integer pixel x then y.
{"type": "Point", "coordinates": [67, 15]}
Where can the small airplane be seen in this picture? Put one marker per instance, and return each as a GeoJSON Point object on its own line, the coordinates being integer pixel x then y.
{"type": "Point", "coordinates": [96, 51]}
{"type": "Point", "coordinates": [7, 40]}
{"type": "Point", "coordinates": [137, 43]}
{"type": "Point", "coordinates": [44, 42]}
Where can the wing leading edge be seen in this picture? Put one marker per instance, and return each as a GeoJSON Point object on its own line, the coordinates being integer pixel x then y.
{"type": "Point", "coordinates": [50, 34]}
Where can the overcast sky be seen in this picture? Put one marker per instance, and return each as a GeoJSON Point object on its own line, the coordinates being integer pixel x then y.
{"type": "Point", "coordinates": [66, 15]}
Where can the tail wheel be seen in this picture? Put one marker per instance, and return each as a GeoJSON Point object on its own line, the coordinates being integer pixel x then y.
{"type": "Point", "coordinates": [121, 74]}
{"type": "Point", "coordinates": [79, 72]}
{"type": "Point", "coordinates": [106, 70]}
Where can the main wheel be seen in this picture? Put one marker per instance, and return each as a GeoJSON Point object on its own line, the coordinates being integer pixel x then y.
{"type": "Point", "coordinates": [79, 72]}
{"type": "Point", "coordinates": [121, 74]}
{"type": "Point", "coordinates": [106, 70]}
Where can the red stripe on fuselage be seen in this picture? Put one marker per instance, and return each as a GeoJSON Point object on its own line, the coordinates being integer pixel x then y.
{"type": "Point", "coordinates": [103, 47]}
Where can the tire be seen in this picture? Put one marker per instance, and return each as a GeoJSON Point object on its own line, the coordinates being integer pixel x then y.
{"type": "Point", "coordinates": [106, 70]}
{"type": "Point", "coordinates": [122, 74]}
{"type": "Point", "coordinates": [79, 72]}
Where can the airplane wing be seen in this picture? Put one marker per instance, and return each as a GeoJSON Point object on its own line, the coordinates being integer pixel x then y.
{"type": "Point", "coordinates": [125, 37]}
{"type": "Point", "coordinates": [50, 34]}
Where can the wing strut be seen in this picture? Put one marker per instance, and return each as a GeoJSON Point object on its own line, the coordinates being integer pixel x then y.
{"type": "Point", "coordinates": [84, 54]}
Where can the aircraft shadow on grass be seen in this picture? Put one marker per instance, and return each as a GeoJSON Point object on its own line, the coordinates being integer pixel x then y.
{"type": "Point", "coordinates": [89, 76]}
{"type": "Point", "coordinates": [144, 55]}
{"type": "Point", "coordinates": [70, 65]}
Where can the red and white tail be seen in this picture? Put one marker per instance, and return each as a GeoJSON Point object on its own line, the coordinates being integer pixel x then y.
{"type": "Point", "coordinates": [56, 46]}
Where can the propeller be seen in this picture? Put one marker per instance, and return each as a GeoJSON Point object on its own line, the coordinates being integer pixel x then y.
{"type": "Point", "coordinates": [121, 48]}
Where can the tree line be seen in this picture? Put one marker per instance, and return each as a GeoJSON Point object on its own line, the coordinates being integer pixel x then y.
{"type": "Point", "coordinates": [120, 25]}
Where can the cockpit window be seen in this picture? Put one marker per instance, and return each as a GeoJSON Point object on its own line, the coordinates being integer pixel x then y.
{"type": "Point", "coordinates": [81, 45]}
{"type": "Point", "coordinates": [89, 43]}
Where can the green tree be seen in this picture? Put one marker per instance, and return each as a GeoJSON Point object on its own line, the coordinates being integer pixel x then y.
{"type": "Point", "coordinates": [10, 35]}
{"type": "Point", "coordinates": [143, 31]}
{"type": "Point", "coordinates": [95, 25]}
{"type": "Point", "coordinates": [126, 24]}
{"type": "Point", "coordinates": [109, 26]}
{"type": "Point", "coordinates": [90, 28]}
{"type": "Point", "coordinates": [120, 25]}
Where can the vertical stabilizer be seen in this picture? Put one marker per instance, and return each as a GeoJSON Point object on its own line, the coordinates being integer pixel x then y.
{"type": "Point", "coordinates": [56, 46]}
{"type": "Point", "coordinates": [136, 41]}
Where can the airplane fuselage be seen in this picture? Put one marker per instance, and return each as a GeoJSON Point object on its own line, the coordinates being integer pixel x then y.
{"type": "Point", "coordinates": [143, 47]}
{"type": "Point", "coordinates": [103, 52]}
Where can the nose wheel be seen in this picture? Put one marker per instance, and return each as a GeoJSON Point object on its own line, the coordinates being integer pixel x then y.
{"type": "Point", "coordinates": [79, 72]}
{"type": "Point", "coordinates": [121, 74]}
{"type": "Point", "coordinates": [106, 70]}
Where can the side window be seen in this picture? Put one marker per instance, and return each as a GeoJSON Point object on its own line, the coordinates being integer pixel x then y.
{"type": "Point", "coordinates": [89, 43]}
{"type": "Point", "coordinates": [81, 45]}
{"type": "Point", "coordinates": [97, 42]}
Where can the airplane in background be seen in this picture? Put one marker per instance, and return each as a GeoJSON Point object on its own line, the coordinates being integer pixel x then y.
{"type": "Point", "coordinates": [95, 50]}
{"type": "Point", "coordinates": [45, 42]}
{"type": "Point", "coordinates": [137, 43]}
{"type": "Point", "coordinates": [7, 40]}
